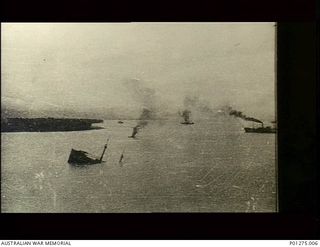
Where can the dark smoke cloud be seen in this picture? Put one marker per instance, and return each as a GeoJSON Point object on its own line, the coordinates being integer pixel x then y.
{"type": "Point", "coordinates": [239, 114]}
{"type": "Point", "coordinates": [144, 117]}
{"type": "Point", "coordinates": [194, 103]}
{"type": "Point", "coordinates": [142, 122]}
{"type": "Point", "coordinates": [145, 97]}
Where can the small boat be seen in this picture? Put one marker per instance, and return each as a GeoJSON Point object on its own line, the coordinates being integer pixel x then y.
{"type": "Point", "coordinates": [80, 157]}
{"type": "Point", "coordinates": [120, 122]}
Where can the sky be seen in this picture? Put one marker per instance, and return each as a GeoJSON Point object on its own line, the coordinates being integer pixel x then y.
{"type": "Point", "coordinates": [125, 67]}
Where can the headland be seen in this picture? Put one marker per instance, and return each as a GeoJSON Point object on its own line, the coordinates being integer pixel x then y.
{"type": "Point", "coordinates": [47, 124]}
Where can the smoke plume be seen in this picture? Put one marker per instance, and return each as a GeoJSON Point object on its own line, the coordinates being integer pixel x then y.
{"type": "Point", "coordinates": [194, 103]}
{"type": "Point", "coordinates": [143, 96]}
{"type": "Point", "coordinates": [144, 117]}
{"type": "Point", "coordinates": [142, 122]}
{"type": "Point", "coordinates": [239, 114]}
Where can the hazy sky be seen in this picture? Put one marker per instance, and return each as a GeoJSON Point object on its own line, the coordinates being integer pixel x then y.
{"type": "Point", "coordinates": [97, 65]}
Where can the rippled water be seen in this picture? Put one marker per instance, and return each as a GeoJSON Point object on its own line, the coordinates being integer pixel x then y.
{"type": "Point", "coordinates": [211, 166]}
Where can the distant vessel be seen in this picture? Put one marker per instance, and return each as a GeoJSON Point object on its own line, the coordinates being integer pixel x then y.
{"type": "Point", "coordinates": [120, 122]}
{"type": "Point", "coordinates": [79, 157]}
{"type": "Point", "coordinates": [261, 129]}
{"type": "Point", "coordinates": [187, 122]}
{"type": "Point", "coordinates": [186, 116]}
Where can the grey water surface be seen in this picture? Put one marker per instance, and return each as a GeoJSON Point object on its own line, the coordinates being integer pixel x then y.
{"type": "Point", "coordinates": [211, 166]}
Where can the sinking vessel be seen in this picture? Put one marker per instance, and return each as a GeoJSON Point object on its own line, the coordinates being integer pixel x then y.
{"type": "Point", "coordinates": [134, 131]}
{"type": "Point", "coordinates": [79, 157]}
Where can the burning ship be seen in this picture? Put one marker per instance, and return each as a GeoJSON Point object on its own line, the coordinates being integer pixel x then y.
{"type": "Point", "coordinates": [143, 121]}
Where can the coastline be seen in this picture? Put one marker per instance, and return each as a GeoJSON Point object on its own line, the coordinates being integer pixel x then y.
{"type": "Point", "coordinates": [47, 124]}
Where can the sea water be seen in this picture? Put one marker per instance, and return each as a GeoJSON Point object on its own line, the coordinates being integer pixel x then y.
{"type": "Point", "coordinates": [210, 166]}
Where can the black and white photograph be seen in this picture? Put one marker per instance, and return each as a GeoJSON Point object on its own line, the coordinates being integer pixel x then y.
{"type": "Point", "coordinates": [138, 117]}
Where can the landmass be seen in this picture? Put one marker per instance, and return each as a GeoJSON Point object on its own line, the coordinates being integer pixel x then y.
{"type": "Point", "coordinates": [47, 124]}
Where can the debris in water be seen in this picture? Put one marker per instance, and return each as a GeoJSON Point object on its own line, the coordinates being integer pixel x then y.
{"type": "Point", "coordinates": [134, 131]}
{"type": "Point", "coordinates": [121, 157]}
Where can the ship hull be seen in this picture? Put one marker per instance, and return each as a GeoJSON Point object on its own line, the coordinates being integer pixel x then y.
{"type": "Point", "coordinates": [260, 130]}
{"type": "Point", "coordinates": [187, 123]}
{"type": "Point", "coordinates": [79, 157]}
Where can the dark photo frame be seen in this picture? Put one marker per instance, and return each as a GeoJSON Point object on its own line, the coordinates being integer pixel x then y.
{"type": "Point", "coordinates": [297, 111]}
